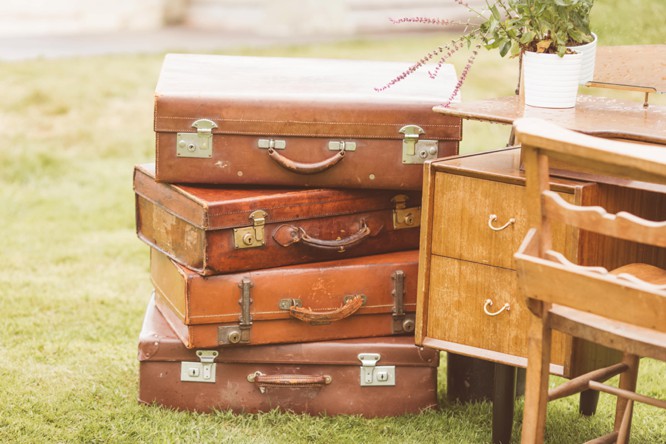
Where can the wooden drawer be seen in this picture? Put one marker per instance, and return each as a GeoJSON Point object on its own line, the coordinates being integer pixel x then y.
{"type": "Point", "coordinates": [462, 227]}
{"type": "Point", "coordinates": [459, 291]}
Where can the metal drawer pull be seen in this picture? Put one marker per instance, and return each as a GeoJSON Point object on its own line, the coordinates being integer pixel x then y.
{"type": "Point", "coordinates": [493, 218]}
{"type": "Point", "coordinates": [489, 303]}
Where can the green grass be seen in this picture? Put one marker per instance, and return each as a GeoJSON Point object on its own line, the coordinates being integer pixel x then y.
{"type": "Point", "coordinates": [74, 280]}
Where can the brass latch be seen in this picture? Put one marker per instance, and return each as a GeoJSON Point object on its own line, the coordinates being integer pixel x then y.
{"type": "Point", "coordinates": [402, 322]}
{"type": "Point", "coordinates": [239, 334]}
{"type": "Point", "coordinates": [253, 236]}
{"type": "Point", "coordinates": [199, 144]}
{"type": "Point", "coordinates": [404, 217]}
{"type": "Point", "coordinates": [414, 149]}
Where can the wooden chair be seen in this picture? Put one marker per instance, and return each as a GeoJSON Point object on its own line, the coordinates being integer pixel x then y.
{"type": "Point", "coordinates": [624, 309]}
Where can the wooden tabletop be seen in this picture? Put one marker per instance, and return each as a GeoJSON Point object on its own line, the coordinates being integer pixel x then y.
{"type": "Point", "coordinates": [600, 116]}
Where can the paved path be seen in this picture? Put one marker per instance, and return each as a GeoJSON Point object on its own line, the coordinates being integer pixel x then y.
{"type": "Point", "coordinates": [168, 39]}
{"type": "Point", "coordinates": [172, 39]}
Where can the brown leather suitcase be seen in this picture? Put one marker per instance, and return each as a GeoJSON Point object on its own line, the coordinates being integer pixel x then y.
{"type": "Point", "coordinates": [298, 122]}
{"type": "Point", "coordinates": [351, 298]}
{"type": "Point", "coordinates": [221, 230]}
{"type": "Point", "coordinates": [375, 377]}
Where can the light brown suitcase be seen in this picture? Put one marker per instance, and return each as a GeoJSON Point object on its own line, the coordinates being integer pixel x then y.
{"type": "Point", "coordinates": [214, 230]}
{"type": "Point", "coordinates": [298, 122]}
{"type": "Point", "coordinates": [375, 377]}
{"type": "Point", "coordinates": [351, 298]}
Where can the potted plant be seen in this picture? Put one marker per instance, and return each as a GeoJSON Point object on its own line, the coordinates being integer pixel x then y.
{"type": "Point", "coordinates": [543, 33]}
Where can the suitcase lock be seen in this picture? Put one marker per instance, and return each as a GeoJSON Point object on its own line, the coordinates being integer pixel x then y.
{"type": "Point", "coordinates": [404, 217]}
{"type": "Point", "coordinates": [253, 236]}
{"type": "Point", "coordinates": [199, 144]}
{"type": "Point", "coordinates": [203, 371]}
{"type": "Point", "coordinates": [415, 150]}
{"type": "Point", "coordinates": [373, 374]}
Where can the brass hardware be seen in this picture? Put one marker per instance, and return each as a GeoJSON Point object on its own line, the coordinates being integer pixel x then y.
{"type": "Point", "coordinates": [493, 218]}
{"type": "Point", "coordinates": [286, 304]}
{"type": "Point", "coordinates": [404, 217]}
{"type": "Point", "coordinates": [373, 374]}
{"type": "Point", "coordinates": [415, 150]}
{"type": "Point", "coordinates": [239, 334]}
{"type": "Point", "coordinates": [203, 371]}
{"type": "Point", "coordinates": [251, 237]}
{"type": "Point", "coordinates": [271, 144]}
{"type": "Point", "coordinates": [199, 144]}
{"type": "Point", "coordinates": [341, 145]}
{"type": "Point", "coordinates": [349, 297]}
{"type": "Point", "coordinates": [489, 303]}
{"type": "Point", "coordinates": [402, 322]}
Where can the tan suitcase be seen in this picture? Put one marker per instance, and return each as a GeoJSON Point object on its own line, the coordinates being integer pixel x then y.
{"type": "Point", "coordinates": [215, 230]}
{"type": "Point", "coordinates": [298, 122]}
{"type": "Point", "coordinates": [351, 298]}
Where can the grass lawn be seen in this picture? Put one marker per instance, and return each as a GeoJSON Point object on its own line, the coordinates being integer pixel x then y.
{"type": "Point", "coordinates": [74, 281]}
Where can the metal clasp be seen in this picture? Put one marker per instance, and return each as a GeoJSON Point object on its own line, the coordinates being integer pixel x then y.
{"type": "Point", "coordinates": [234, 334]}
{"type": "Point", "coordinates": [199, 144]}
{"type": "Point", "coordinates": [251, 237]}
{"type": "Point", "coordinates": [402, 322]}
{"type": "Point", "coordinates": [203, 371]}
{"type": "Point", "coordinates": [374, 375]}
{"type": "Point", "coordinates": [341, 145]}
{"type": "Point", "coordinates": [414, 149]}
{"type": "Point", "coordinates": [271, 144]}
{"type": "Point", "coordinates": [404, 217]}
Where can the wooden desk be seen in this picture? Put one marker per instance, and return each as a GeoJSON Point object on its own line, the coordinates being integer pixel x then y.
{"type": "Point", "coordinates": [600, 116]}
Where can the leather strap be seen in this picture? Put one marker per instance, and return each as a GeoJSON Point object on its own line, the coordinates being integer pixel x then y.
{"type": "Point", "coordinates": [289, 380]}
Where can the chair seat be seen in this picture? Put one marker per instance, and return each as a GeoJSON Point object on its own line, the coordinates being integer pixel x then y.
{"type": "Point", "coordinates": [614, 334]}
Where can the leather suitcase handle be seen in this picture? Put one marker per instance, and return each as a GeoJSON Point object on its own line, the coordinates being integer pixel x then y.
{"type": "Point", "coordinates": [289, 380]}
{"type": "Point", "coordinates": [305, 168]}
{"type": "Point", "coordinates": [286, 235]}
{"type": "Point", "coordinates": [350, 307]}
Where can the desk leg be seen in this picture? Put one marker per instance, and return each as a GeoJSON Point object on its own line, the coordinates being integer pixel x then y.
{"type": "Point", "coordinates": [588, 402]}
{"type": "Point", "coordinates": [503, 401]}
{"type": "Point", "coordinates": [468, 379]}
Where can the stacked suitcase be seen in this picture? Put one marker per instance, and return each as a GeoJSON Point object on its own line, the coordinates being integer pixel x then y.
{"type": "Point", "coordinates": [282, 212]}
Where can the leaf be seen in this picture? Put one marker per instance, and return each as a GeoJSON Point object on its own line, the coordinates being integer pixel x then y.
{"type": "Point", "coordinates": [527, 37]}
{"type": "Point", "coordinates": [505, 48]}
{"type": "Point", "coordinates": [543, 45]}
{"type": "Point", "coordinates": [496, 13]}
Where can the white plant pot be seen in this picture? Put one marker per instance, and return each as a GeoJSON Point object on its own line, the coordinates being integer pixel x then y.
{"type": "Point", "coordinates": [551, 81]}
{"type": "Point", "coordinates": [589, 53]}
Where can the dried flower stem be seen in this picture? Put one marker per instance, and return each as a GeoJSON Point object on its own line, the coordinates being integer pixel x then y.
{"type": "Point", "coordinates": [426, 21]}
{"type": "Point", "coordinates": [463, 76]}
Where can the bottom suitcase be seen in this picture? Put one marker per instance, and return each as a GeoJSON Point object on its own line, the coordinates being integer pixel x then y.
{"type": "Point", "coordinates": [386, 376]}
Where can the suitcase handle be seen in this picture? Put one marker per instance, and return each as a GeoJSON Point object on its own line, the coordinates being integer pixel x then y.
{"type": "Point", "coordinates": [286, 235]}
{"type": "Point", "coordinates": [305, 168]}
{"type": "Point", "coordinates": [351, 306]}
{"type": "Point", "coordinates": [288, 380]}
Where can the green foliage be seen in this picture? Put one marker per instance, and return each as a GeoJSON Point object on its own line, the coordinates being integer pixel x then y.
{"type": "Point", "coordinates": [513, 26]}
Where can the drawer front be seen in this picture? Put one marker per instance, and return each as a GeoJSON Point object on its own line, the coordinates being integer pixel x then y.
{"type": "Point", "coordinates": [458, 309]}
{"type": "Point", "coordinates": [463, 226]}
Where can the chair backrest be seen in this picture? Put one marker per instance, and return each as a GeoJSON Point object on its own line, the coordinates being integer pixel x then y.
{"type": "Point", "coordinates": [591, 288]}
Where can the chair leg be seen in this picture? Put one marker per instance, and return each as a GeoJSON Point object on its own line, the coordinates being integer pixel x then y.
{"type": "Point", "coordinates": [624, 407]}
{"type": "Point", "coordinates": [536, 384]}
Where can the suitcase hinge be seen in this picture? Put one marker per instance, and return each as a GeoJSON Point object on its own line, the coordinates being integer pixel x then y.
{"type": "Point", "coordinates": [251, 237]}
{"type": "Point", "coordinates": [404, 217]}
{"type": "Point", "coordinates": [402, 322]}
{"type": "Point", "coordinates": [374, 375]}
{"type": "Point", "coordinates": [199, 144]}
{"type": "Point", "coordinates": [415, 150]}
{"type": "Point", "coordinates": [239, 334]}
{"type": "Point", "coordinates": [203, 371]}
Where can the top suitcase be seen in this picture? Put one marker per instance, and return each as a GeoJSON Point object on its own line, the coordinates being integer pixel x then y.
{"type": "Point", "coordinates": [298, 122]}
